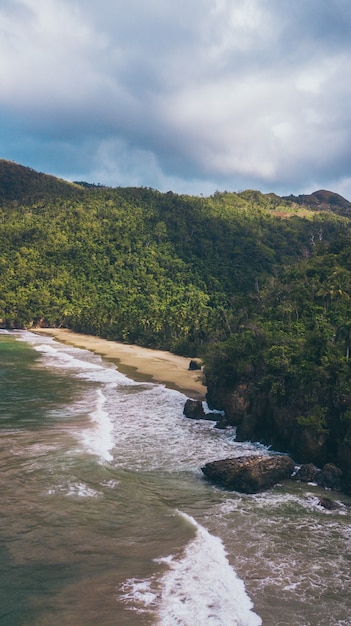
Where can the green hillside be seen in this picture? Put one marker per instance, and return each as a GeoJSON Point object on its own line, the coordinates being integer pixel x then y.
{"type": "Point", "coordinates": [257, 285]}
{"type": "Point", "coordinates": [24, 185]}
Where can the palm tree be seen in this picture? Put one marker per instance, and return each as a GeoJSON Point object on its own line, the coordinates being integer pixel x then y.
{"type": "Point", "coordinates": [343, 333]}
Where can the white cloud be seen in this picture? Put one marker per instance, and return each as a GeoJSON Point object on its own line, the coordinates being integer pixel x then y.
{"type": "Point", "coordinates": [254, 91]}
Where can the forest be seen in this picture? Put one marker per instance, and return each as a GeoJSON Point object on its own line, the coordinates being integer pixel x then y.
{"type": "Point", "coordinates": [256, 285]}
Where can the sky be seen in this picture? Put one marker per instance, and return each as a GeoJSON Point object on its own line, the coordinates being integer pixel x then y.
{"type": "Point", "coordinates": [191, 96]}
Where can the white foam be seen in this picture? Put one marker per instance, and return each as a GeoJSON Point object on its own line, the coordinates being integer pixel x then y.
{"type": "Point", "coordinates": [99, 439]}
{"type": "Point", "coordinates": [81, 363]}
{"type": "Point", "coordinates": [76, 489]}
{"type": "Point", "coordinates": [84, 364]}
{"type": "Point", "coordinates": [139, 595]}
{"type": "Point", "coordinates": [165, 438]}
{"type": "Point", "coordinates": [202, 587]}
{"type": "Point", "coordinates": [110, 484]}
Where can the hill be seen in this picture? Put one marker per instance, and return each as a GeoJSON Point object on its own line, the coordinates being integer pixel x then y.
{"type": "Point", "coordinates": [256, 285]}
{"type": "Point", "coordinates": [23, 184]}
{"type": "Point", "coordinates": [323, 200]}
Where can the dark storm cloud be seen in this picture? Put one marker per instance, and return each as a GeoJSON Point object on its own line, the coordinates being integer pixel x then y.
{"type": "Point", "coordinates": [191, 95]}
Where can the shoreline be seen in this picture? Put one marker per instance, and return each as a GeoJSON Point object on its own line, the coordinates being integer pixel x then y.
{"type": "Point", "coordinates": [140, 364]}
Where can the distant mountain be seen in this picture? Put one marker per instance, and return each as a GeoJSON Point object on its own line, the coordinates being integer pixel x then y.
{"type": "Point", "coordinates": [22, 184]}
{"type": "Point", "coordinates": [323, 200]}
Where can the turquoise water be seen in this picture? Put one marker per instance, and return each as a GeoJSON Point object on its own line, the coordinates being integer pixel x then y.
{"type": "Point", "coordinates": [105, 517]}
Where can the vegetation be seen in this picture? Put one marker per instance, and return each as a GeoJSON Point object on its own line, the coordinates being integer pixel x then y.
{"type": "Point", "coordinates": [257, 285]}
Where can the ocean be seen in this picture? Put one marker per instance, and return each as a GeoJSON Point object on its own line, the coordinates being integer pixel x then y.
{"type": "Point", "coordinates": [106, 518]}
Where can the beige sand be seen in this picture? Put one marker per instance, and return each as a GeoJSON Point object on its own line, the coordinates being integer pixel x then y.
{"type": "Point", "coordinates": [142, 364]}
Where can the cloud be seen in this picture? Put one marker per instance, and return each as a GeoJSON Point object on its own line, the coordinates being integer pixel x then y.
{"type": "Point", "coordinates": [198, 95]}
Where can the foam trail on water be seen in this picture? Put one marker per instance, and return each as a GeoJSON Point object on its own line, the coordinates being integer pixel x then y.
{"type": "Point", "coordinates": [83, 364]}
{"type": "Point", "coordinates": [78, 361]}
{"type": "Point", "coordinates": [202, 587]}
{"type": "Point", "coordinates": [99, 439]}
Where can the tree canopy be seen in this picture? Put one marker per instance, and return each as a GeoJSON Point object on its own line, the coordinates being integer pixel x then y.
{"type": "Point", "coordinates": [256, 285]}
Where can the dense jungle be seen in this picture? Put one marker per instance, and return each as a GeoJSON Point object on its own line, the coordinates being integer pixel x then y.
{"type": "Point", "coordinates": [255, 285]}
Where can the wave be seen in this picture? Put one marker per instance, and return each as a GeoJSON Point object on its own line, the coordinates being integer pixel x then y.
{"type": "Point", "coordinates": [200, 587]}
{"type": "Point", "coordinates": [99, 439]}
{"type": "Point", "coordinates": [134, 425]}
{"type": "Point", "coordinates": [82, 363]}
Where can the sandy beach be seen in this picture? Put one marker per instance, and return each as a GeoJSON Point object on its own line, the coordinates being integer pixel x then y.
{"type": "Point", "coordinates": [141, 364]}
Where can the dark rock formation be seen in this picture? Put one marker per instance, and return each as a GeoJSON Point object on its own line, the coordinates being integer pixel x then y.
{"type": "Point", "coordinates": [328, 504]}
{"type": "Point", "coordinates": [222, 423]}
{"type": "Point", "coordinates": [194, 365]}
{"type": "Point", "coordinates": [235, 404]}
{"type": "Point", "coordinates": [331, 477]}
{"type": "Point", "coordinates": [194, 409]}
{"type": "Point", "coordinates": [307, 473]}
{"type": "Point", "coordinates": [259, 418]}
{"type": "Point", "coordinates": [309, 446]}
{"type": "Point", "coordinates": [249, 474]}
{"type": "Point", "coordinates": [344, 462]}
{"type": "Point", "coordinates": [246, 430]}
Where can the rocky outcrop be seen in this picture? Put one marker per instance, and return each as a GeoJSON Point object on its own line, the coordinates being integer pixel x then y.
{"type": "Point", "coordinates": [249, 474]}
{"type": "Point", "coordinates": [328, 504]}
{"type": "Point", "coordinates": [235, 404]}
{"type": "Point", "coordinates": [194, 409]}
{"type": "Point", "coordinates": [258, 419]}
{"type": "Point", "coordinates": [194, 365]}
{"type": "Point", "coordinates": [306, 473]}
{"type": "Point", "coordinates": [331, 477]}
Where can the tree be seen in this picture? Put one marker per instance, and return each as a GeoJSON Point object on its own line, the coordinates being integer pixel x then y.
{"type": "Point", "coordinates": [343, 334]}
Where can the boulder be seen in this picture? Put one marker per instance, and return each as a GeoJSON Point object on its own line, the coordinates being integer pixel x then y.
{"type": "Point", "coordinates": [307, 473]}
{"type": "Point", "coordinates": [194, 409]}
{"type": "Point", "coordinates": [194, 365]}
{"type": "Point", "coordinates": [222, 423]}
{"type": "Point", "coordinates": [330, 477]}
{"type": "Point", "coordinates": [249, 474]}
{"type": "Point", "coordinates": [328, 504]}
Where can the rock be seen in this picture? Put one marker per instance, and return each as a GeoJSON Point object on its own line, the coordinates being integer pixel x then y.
{"type": "Point", "coordinates": [308, 446]}
{"type": "Point", "coordinates": [222, 424]}
{"type": "Point", "coordinates": [307, 473]}
{"type": "Point", "coordinates": [249, 474]}
{"type": "Point", "coordinates": [212, 416]}
{"type": "Point", "coordinates": [235, 404]}
{"type": "Point", "coordinates": [194, 410]}
{"type": "Point", "coordinates": [194, 365]}
{"type": "Point", "coordinates": [246, 430]}
{"type": "Point", "coordinates": [328, 504]}
{"type": "Point", "coordinates": [330, 477]}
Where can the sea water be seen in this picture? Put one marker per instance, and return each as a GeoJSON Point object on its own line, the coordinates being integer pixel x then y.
{"type": "Point", "coordinates": [105, 517]}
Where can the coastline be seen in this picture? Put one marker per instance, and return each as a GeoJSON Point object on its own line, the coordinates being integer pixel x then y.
{"type": "Point", "coordinates": [140, 364]}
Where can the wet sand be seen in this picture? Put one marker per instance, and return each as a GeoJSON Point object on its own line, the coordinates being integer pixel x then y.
{"type": "Point", "coordinates": [141, 364]}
